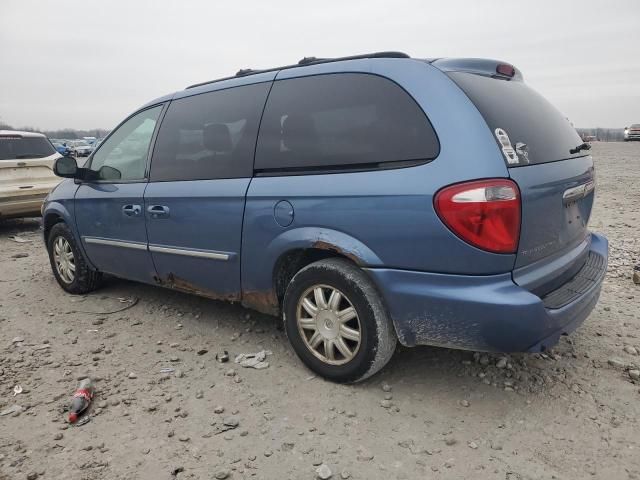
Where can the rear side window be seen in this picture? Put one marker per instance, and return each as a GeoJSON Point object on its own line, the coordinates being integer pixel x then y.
{"type": "Point", "coordinates": [17, 147]}
{"type": "Point", "coordinates": [209, 136]}
{"type": "Point", "coordinates": [536, 130]}
{"type": "Point", "coordinates": [340, 121]}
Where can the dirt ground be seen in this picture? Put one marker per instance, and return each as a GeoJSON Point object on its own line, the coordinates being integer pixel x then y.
{"type": "Point", "coordinates": [431, 413]}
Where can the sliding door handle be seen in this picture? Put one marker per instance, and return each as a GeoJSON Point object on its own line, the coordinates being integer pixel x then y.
{"type": "Point", "coordinates": [158, 211]}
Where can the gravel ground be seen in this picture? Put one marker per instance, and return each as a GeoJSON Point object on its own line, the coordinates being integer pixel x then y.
{"type": "Point", "coordinates": [432, 413]}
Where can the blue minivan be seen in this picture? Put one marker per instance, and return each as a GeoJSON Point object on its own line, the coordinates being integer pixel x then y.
{"type": "Point", "coordinates": [368, 200]}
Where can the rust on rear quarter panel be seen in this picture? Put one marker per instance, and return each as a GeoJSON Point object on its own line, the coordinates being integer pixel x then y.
{"type": "Point", "coordinates": [323, 245]}
{"type": "Point", "coordinates": [266, 301]}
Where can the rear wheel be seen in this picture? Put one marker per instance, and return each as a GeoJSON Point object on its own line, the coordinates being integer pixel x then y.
{"type": "Point", "coordinates": [336, 322]}
{"type": "Point", "coordinates": [68, 262]}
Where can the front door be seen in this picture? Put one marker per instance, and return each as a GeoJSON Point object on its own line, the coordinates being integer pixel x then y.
{"type": "Point", "coordinates": [109, 210]}
{"type": "Point", "coordinates": [194, 203]}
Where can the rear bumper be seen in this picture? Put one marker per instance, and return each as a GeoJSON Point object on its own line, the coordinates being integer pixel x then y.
{"type": "Point", "coordinates": [486, 313]}
{"type": "Point", "coordinates": [25, 205]}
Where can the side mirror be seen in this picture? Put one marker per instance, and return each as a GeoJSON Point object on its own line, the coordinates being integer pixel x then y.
{"type": "Point", "coordinates": [109, 173]}
{"type": "Point", "coordinates": [66, 167]}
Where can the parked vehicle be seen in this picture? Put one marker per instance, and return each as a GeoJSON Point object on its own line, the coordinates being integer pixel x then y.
{"type": "Point", "coordinates": [367, 200]}
{"type": "Point", "coordinates": [81, 148]}
{"type": "Point", "coordinates": [62, 148]}
{"type": "Point", "coordinates": [632, 133]}
{"type": "Point", "coordinates": [26, 172]}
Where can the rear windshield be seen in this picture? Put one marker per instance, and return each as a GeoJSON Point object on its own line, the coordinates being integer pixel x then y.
{"type": "Point", "coordinates": [13, 148]}
{"type": "Point", "coordinates": [535, 129]}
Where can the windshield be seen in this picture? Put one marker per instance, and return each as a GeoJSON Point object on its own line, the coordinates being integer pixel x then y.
{"type": "Point", "coordinates": [16, 147]}
{"type": "Point", "coordinates": [529, 129]}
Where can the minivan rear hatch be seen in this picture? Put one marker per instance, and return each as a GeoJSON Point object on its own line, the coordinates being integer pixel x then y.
{"type": "Point", "coordinates": [546, 157]}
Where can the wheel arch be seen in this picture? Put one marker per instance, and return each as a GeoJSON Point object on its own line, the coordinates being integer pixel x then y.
{"type": "Point", "coordinates": [264, 284]}
{"type": "Point", "coordinates": [48, 222]}
{"type": "Point", "coordinates": [56, 212]}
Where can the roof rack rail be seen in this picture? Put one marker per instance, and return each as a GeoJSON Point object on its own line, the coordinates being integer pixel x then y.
{"type": "Point", "coordinates": [307, 60]}
{"type": "Point", "coordinates": [243, 72]}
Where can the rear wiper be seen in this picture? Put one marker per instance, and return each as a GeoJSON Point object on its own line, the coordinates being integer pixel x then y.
{"type": "Point", "coordinates": [583, 146]}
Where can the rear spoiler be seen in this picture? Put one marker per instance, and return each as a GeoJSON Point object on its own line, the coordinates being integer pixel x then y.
{"type": "Point", "coordinates": [479, 66]}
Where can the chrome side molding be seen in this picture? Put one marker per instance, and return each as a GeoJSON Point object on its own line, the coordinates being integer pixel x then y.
{"type": "Point", "coordinates": [115, 243]}
{"type": "Point", "coordinates": [190, 253]}
{"type": "Point", "coordinates": [211, 254]}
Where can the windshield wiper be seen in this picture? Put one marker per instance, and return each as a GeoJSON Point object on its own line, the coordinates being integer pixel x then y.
{"type": "Point", "coordinates": [583, 146]}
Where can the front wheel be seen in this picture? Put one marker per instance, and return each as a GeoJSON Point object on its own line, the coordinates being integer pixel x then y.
{"type": "Point", "coordinates": [336, 321]}
{"type": "Point", "coordinates": [68, 262]}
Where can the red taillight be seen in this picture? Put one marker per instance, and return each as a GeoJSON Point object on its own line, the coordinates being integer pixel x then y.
{"type": "Point", "coordinates": [506, 70]}
{"type": "Point", "coordinates": [484, 213]}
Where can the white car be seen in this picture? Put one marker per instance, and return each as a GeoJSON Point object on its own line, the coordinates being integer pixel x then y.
{"type": "Point", "coordinates": [632, 132]}
{"type": "Point", "coordinates": [26, 172]}
{"type": "Point", "coordinates": [81, 148]}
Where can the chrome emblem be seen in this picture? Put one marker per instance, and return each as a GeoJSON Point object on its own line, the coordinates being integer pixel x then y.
{"type": "Point", "coordinates": [575, 193]}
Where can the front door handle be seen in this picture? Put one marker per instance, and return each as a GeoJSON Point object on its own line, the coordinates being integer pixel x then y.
{"type": "Point", "coordinates": [158, 211]}
{"type": "Point", "coordinates": [132, 210]}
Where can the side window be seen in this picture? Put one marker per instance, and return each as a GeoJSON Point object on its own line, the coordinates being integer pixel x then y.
{"type": "Point", "coordinates": [123, 156]}
{"type": "Point", "coordinates": [337, 120]}
{"type": "Point", "coordinates": [210, 135]}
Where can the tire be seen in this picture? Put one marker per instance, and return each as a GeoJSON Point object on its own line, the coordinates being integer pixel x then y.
{"type": "Point", "coordinates": [83, 278]}
{"type": "Point", "coordinates": [332, 334]}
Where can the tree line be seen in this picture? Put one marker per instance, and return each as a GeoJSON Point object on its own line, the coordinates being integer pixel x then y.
{"type": "Point", "coordinates": [603, 134]}
{"type": "Point", "coordinates": [64, 133]}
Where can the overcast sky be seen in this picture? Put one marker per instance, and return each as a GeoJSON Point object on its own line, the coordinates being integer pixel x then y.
{"type": "Point", "coordinates": [89, 63]}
